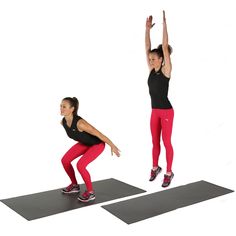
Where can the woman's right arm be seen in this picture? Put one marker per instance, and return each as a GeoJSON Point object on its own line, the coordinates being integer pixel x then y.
{"type": "Point", "coordinates": [83, 125]}
{"type": "Point", "coordinates": [149, 25]}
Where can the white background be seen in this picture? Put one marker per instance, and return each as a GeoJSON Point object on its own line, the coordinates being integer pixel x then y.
{"type": "Point", "coordinates": [94, 50]}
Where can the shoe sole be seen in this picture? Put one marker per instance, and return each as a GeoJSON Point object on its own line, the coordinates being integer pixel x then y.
{"type": "Point", "coordinates": [91, 199]}
{"type": "Point", "coordinates": [74, 191]}
{"type": "Point", "coordinates": [156, 175]}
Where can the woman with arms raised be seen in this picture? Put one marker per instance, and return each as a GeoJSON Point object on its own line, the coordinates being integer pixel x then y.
{"type": "Point", "coordinates": [159, 64]}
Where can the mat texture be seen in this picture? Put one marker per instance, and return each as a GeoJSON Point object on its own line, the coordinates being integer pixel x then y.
{"type": "Point", "coordinates": [150, 205]}
{"type": "Point", "coordinates": [51, 202]}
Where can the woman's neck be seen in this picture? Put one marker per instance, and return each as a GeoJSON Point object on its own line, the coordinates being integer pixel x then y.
{"type": "Point", "coordinates": [157, 68]}
{"type": "Point", "coordinates": [69, 117]}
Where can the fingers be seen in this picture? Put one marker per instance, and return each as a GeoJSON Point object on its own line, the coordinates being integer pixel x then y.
{"type": "Point", "coordinates": [149, 19]}
{"type": "Point", "coordinates": [164, 16]}
{"type": "Point", "coordinates": [117, 154]}
{"type": "Point", "coordinates": [116, 151]}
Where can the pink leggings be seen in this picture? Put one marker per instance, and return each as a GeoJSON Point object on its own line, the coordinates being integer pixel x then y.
{"type": "Point", "coordinates": [162, 122]}
{"type": "Point", "coordinates": [90, 153]}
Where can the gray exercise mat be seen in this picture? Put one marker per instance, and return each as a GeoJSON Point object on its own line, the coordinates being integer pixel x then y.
{"type": "Point", "coordinates": [51, 202]}
{"type": "Point", "coordinates": [144, 207]}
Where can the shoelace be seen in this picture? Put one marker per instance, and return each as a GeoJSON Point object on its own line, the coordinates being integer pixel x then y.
{"type": "Point", "coordinates": [167, 178]}
{"type": "Point", "coordinates": [70, 187]}
{"type": "Point", "coordinates": [153, 173]}
{"type": "Point", "coordinates": [86, 194]}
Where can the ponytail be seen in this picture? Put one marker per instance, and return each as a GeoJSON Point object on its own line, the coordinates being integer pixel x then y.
{"type": "Point", "coordinates": [159, 51]}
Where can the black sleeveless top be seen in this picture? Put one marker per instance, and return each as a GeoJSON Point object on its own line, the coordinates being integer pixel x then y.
{"type": "Point", "coordinates": [82, 137]}
{"type": "Point", "coordinates": [158, 89]}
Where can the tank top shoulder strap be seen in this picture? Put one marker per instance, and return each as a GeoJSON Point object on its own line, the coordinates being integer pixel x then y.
{"type": "Point", "coordinates": [64, 121]}
{"type": "Point", "coordinates": [75, 120]}
{"type": "Point", "coordinates": [152, 72]}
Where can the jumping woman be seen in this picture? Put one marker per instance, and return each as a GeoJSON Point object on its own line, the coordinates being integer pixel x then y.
{"type": "Point", "coordinates": [90, 144]}
{"type": "Point", "coordinates": [162, 115]}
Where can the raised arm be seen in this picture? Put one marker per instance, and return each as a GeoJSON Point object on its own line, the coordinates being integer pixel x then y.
{"type": "Point", "coordinates": [149, 25]}
{"type": "Point", "coordinates": [83, 125]}
{"type": "Point", "coordinates": [167, 61]}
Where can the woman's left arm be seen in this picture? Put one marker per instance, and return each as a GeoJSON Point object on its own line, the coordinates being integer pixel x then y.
{"type": "Point", "coordinates": [167, 61]}
{"type": "Point", "coordinates": [83, 125]}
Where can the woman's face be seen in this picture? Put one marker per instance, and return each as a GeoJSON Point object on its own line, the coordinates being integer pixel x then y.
{"type": "Point", "coordinates": [154, 60]}
{"type": "Point", "coordinates": [66, 109]}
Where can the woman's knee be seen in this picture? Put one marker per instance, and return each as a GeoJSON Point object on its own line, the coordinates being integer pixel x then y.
{"type": "Point", "coordinates": [167, 144]}
{"type": "Point", "coordinates": [81, 167]}
{"type": "Point", "coordinates": [65, 161]}
{"type": "Point", "coordinates": [156, 143]}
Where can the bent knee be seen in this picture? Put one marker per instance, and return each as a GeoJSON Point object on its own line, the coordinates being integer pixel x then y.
{"type": "Point", "coordinates": [80, 167]}
{"type": "Point", "coordinates": [65, 161]}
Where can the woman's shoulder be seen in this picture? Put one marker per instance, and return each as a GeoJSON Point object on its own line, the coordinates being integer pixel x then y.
{"type": "Point", "coordinates": [151, 71]}
{"type": "Point", "coordinates": [63, 121]}
{"type": "Point", "coordinates": [78, 119]}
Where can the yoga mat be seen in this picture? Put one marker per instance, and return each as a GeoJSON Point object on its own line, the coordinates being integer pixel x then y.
{"type": "Point", "coordinates": [37, 205]}
{"type": "Point", "coordinates": [150, 205]}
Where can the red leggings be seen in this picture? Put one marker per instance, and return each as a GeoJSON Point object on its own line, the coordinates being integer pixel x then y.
{"type": "Point", "coordinates": [90, 153]}
{"type": "Point", "coordinates": [162, 122]}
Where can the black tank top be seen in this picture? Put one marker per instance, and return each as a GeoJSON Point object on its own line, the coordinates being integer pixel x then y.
{"type": "Point", "coordinates": [82, 137]}
{"type": "Point", "coordinates": [158, 88]}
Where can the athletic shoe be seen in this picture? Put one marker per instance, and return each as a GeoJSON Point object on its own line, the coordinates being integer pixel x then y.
{"type": "Point", "coordinates": [167, 180]}
{"type": "Point", "coordinates": [154, 173]}
{"type": "Point", "coordinates": [86, 197]}
{"type": "Point", "coordinates": [72, 188]}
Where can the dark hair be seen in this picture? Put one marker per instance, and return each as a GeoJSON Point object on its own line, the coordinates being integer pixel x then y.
{"type": "Point", "coordinates": [73, 103]}
{"type": "Point", "coordinates": [159, 50]}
